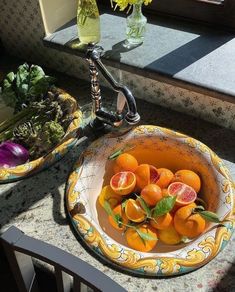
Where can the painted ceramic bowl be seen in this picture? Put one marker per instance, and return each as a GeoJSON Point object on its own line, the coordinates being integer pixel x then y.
{"type": "Point", "coordinates": [162, 148]}
{"type": "Point", "coordinates": [21, 171]}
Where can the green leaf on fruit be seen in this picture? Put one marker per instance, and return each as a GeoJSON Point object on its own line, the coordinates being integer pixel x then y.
{"type": "Point", "coordinates": [202, 202]}
{"type": "Point", "coordinates": [116, 217]}
{"type": "Point", "coordinates": [123, 205]}
{"type": "Point", "coordinates": [118, 220]}
{"type": "Point", "coordinates": [118, 152]}
{"type": "Point", "coordinates": [210, 216]}
{"type": "Point", "coordinates": [144, 206]}
{"type": "Point", "coordinates": [164, 206]}
{"type": "Point", "coordinates": [141, 237]}
{"type": "Point", "coordinates": [115, 154]}
{"type": "Point", "coordinates": [145, 236]}
{"type": "Point", "coordinates": [108, 208]}
{"type": "Point", "coordinates": [198, 209]}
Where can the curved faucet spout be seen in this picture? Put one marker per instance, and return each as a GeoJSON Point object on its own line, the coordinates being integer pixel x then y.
{"type": "Point", "coordinates": [125, 96]}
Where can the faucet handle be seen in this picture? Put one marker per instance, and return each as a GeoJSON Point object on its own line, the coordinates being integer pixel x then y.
{"type": "Point", "coordinates": [121, 102]}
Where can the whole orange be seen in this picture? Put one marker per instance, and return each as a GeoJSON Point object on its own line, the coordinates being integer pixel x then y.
{"type": "Point", "coordinates": [166, 175]}
{"type": "Point", "coordinates": [189, 178]}
{"type": "Point", "coordinates": [161, 222]}
{"type": "Point", "coordinates": [188, 224]}
{"type": "Point", "coordinates": [135, 241]}
{"type": "Point", "coordinates": [118, 211]}
{"type": "Point", "coordinates": [169, 235]}
{"type": "Point", "coordinates": [145, 174]}
{"type": "Point", "coordinates": [125, 162]}
{"type": "Point", "coordinates": [151, 194]}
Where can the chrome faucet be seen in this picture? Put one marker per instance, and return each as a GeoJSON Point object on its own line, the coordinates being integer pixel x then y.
{"type": "Point", "coordinates": [125, 97]}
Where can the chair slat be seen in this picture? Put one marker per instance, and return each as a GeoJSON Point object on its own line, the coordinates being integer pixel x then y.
{"type": "Point", "coordinates": [65, 264]}
{"type": "Point", "coordinates": [22, 267]}
{"type": "Point", "coordinates": [76, 284]}
{"type": "Point", "coordinates": [63, 280]}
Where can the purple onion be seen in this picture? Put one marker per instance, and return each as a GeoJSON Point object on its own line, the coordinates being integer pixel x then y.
{"type": "Point", "coordinates": [12, 154]}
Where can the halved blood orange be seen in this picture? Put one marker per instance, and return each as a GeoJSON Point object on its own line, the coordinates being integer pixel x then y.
{"type": "Point", "coordinates": [185, 194]}
{"type": "Point", "coordinates": [123, 183]}
{"type": "Point", "coordinates": [189, 178]}
{"type": "Point", "coordinates": [107, 194]}
{"type": "Point", "coordinates": [146, 174]}
{"type": "Point", "coordinates": [134, 211]}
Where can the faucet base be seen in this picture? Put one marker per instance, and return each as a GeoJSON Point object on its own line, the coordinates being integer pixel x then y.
{"type": "Point", "coordinates": [97, 124]}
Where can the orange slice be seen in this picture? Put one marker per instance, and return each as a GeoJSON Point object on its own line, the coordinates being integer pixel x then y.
{"type": "Point", "coordinates": [123, 183]}
{"type": "Point", "coordinates": [134, 212]}
{"type": "Point", "coordinates": [185, 194]}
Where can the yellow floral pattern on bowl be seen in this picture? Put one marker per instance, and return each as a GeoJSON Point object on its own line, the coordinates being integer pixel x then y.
{"type": "Point", "coordinates": [171, 149]}
{"type": "Point", "coordinates": [29, 168]}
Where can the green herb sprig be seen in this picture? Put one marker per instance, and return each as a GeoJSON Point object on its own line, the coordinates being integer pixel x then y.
{"type": "Point", "coordinates": [120, 151]}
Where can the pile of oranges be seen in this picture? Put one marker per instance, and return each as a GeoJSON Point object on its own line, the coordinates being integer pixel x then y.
{"type": "Point", "coordinates": [147, 204]}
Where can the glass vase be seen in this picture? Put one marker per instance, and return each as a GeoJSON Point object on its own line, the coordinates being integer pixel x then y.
{"type": "Point", "coordinates": [136, 26]}
{"type": "Point", "coordinates": [88, 21]}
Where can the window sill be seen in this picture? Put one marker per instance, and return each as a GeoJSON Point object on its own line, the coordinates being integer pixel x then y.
{"type": "Point", "coordinates": [187, 55]}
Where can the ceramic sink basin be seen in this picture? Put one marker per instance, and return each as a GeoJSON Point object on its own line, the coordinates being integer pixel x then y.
{"type": "Point", "coordinates": [162, 148]}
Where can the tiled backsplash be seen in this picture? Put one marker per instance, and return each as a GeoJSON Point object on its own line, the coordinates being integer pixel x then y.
{"type": "Point", "coordinates": [22, 31]}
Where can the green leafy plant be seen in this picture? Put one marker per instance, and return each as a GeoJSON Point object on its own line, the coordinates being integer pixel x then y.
{"type": "Point", "coordinates": [28, 84]}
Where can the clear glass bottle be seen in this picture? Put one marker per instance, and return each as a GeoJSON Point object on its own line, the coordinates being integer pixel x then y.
{"type": "Point", "coordinates": [88, 21]}
{"type": "Point", "coordinates": [136, 25]}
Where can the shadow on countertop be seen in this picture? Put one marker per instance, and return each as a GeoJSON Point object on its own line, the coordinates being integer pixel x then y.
{"type": "Point", "coordinates": [227, 283]}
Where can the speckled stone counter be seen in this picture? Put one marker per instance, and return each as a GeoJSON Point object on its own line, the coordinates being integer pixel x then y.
{"type": "Point", "coordinates": [36, 205]}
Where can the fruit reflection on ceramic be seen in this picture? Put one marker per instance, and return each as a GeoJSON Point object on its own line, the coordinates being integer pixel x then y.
{"type": "Point", "coordinates": [23, 170]}
{"type": "Point", "coordinates": [159, 147]}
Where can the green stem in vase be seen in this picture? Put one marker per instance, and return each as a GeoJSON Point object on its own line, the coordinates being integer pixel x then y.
{"type": "Point", "coordinates": [136, 23]}
{"type": "Point", "coordinates": [86, 8]}
{"type": "Point", "coordinates": [88, 21]}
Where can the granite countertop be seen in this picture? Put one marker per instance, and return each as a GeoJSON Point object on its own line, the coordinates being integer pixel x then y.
{"type": "Point", "coordinates": [36, 204]}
